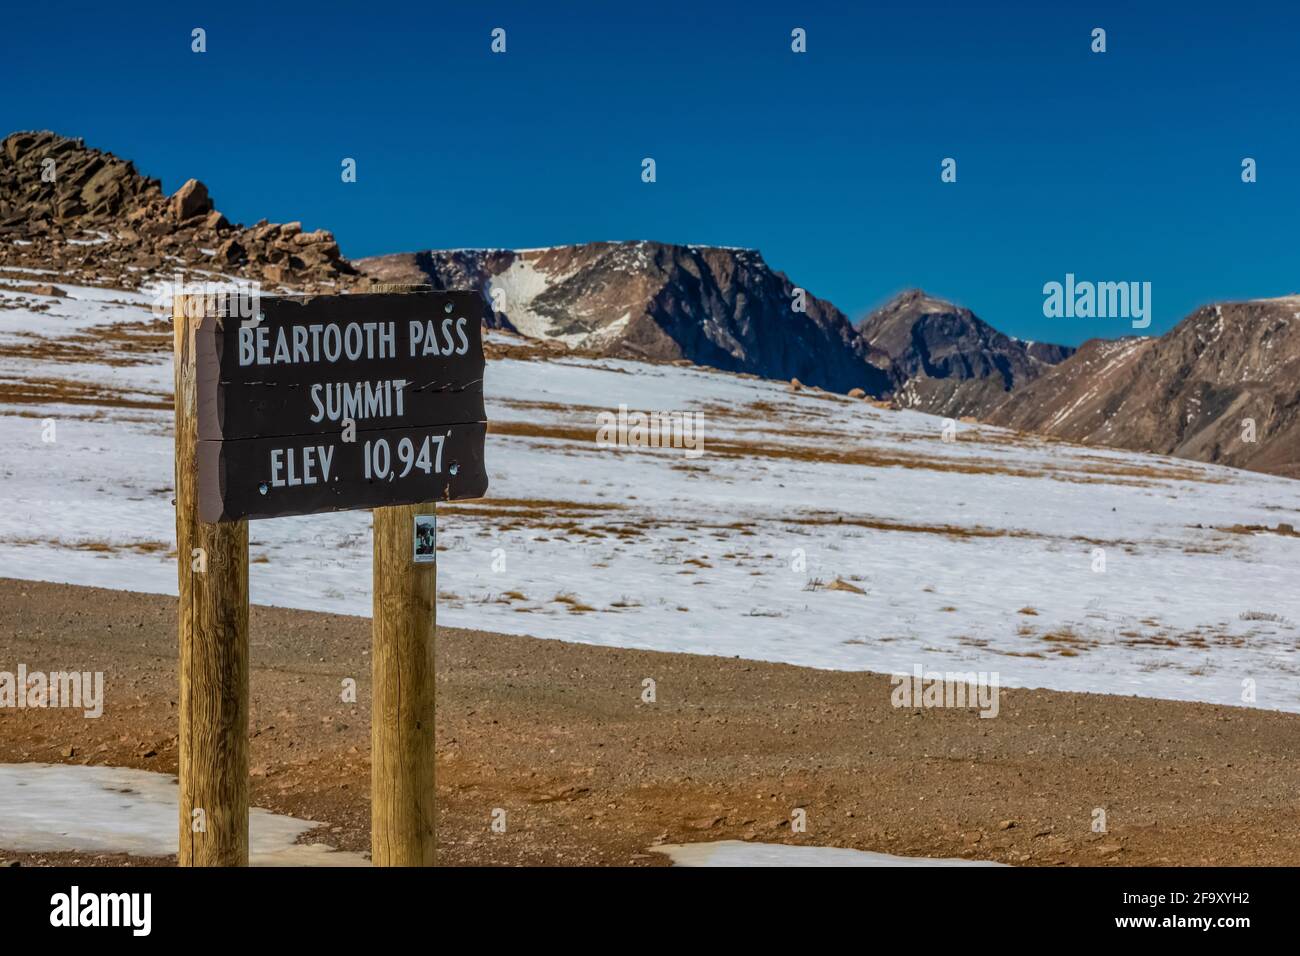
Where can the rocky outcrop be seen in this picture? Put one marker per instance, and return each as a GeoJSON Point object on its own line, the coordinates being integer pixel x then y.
{"type": "Point", "coordinates": [89, 215]}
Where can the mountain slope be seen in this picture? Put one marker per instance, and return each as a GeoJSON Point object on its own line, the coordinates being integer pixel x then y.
{"type": "Point", "coordinates": [1188, 393]}
{"type": "Point", "coordinates": [973, 554]}
{"type": "Point", "coordinates": [725, 308]}
{"type": "Point", "coordinates": [949, 362]}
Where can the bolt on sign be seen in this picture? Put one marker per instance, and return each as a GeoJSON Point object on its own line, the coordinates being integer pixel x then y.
{"type": "Point", "coordinates": [328, 403]}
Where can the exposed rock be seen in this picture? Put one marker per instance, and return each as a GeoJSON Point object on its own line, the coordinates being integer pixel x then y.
{"type": "Point", "coordinates": [726, 308]}
{"type": "Point", "coordinates": [1219, 387]}
{"type": "Point", "coordinates": [309, 238]}
{"type": "Point", "coordinates": [191, 200]}
{"type": "Point", "coordinates": [98, 221]}
{"type": "Point", "coordinates": [949, 362]}
{"type": "Point", "coordinates": [723, 308]}
{"type": "Point", "coordinates": [231, 252]}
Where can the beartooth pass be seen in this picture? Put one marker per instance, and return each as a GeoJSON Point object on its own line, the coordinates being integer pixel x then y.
{"type": "Point", "coordinates": [88, 217]}
{"type": "Point", "coordinates": [1223, 386]}
{"type": "Point", "coordinates": [815, 529]}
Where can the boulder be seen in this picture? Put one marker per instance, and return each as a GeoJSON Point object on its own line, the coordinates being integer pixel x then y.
{"type": "Point", "coordinates": [190, 200]}
{"type": "Point", "coordinates": [231, 252]}
{"type": "Point", "coordinates": [311, 238]}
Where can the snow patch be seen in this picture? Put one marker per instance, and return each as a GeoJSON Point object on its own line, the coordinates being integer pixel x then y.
{"type": "Point", "coordinates": [741, 853]}
{"type": "Point", "coordinates": [49, 808]}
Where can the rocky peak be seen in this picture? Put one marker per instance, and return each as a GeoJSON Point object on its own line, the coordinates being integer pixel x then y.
{"type": "Point", "coordinates": [93, 218]}
{"type": "Point", "coordinates": [947, 360]}
{"type": "Point", "coordinates": [721, 307]}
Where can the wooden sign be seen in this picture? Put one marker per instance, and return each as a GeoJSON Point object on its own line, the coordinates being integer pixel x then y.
{"type": "Point", "coordinates": [328, 403]}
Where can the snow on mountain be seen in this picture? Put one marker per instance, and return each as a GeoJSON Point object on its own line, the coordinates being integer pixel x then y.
{"type": "Point", "coordinates": [814, 529]}
{"type": "Point", "coordinates": [724, 308]}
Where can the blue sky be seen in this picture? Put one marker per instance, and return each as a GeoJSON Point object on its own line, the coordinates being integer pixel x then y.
{"type": "Point", "coordinates": [1117, 166]}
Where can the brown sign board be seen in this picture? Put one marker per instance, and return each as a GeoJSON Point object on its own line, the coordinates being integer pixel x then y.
{"type": "Point", "coordinates": [401, 375]}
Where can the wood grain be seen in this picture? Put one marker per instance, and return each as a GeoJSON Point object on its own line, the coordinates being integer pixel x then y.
{"type": "Point", "coordinates": [212, 565]}
{"type": "Point", "coordinates": [402, 824]}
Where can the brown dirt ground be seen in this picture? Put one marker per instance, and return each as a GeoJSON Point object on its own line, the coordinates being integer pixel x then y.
{"type": "Point", "coordinates": [557, 735]}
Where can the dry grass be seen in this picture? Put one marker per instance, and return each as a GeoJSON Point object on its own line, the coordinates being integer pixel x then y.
{"type": "Point", "coordinates": [1262, 616]}
{"type": "Point", "coordinates": [884, 524]}
{"type": "Point", "coordinates": [572, 602]}
{"type": "Point", "coordinates": [55, 391]}
{"type": "Point", "coordinates": [1066, 636]}
{"type": "Point", "coordinates": [834, 453]}
{"type": "Point", "coordinates": [839, 584]}
{"type": "Point", "coordinates": [532, 505]}
{"type": "Point", "coordinates": [95, 546]}
{"type": "Point", "coordinates": [119, 344]}
{"type": "Point", "coordinates": [1285, 530]}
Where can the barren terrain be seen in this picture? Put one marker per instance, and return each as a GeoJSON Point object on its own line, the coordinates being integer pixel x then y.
{"type": "Point", "coordinates": [558, 736]}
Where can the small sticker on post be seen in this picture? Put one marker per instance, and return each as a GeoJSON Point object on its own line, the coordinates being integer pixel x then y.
{"type": "Point", "coordinates": [426, 539]}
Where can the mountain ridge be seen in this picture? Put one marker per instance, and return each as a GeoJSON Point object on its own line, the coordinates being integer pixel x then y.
{"type": "Point", "coordinates": [1220, 386]}
{"type": "Point", "coordinates": [1223, 386]}
{"type": "Point", "coordinates": [721, 307]}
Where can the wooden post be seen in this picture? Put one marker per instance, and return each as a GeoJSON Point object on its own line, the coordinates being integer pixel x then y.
{"type": "Point", "coordinates": [212, 562]}
{"type": "Point", "coordinates": [402, 826]}
{"type": "Point", "coordinates": [402, 813]}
